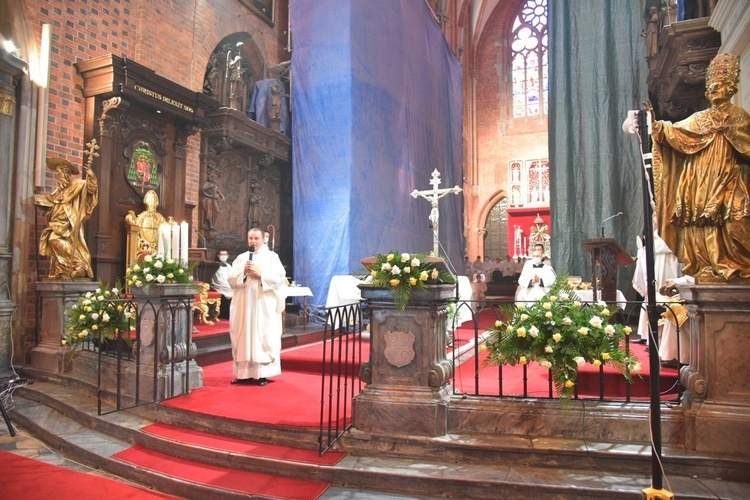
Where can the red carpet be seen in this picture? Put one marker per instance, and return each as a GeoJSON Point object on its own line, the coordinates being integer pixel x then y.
{"type": "Point", "coordinates": [309, 357]}
{"type": "Point", "coordinates": [221, 326]}
{"type": "Point", "coordinates": [291, 399]}
{"type": "Point", "coordinates": [252, 483]}
{"type": "Point", "coordinates": [615, 384]}
{"type": "Point", "coordinates": [241, 446]}
{"type": "Point", "coordinates": [29, 479]}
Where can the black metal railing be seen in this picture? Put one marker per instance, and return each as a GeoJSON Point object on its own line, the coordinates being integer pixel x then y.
{"type": "Point", "coordinates": [149, 359]}
{"type": "Point", "coordinates": [471, 372]}
{"type": "Point", "coordinates": [342, 358]}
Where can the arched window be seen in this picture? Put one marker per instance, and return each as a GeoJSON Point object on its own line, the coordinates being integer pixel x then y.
{"type": "Point", "coordinates": [529, 60]}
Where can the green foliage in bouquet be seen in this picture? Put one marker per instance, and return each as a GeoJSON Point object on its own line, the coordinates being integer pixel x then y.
{"type": "Point", "coordinates": [157, 268]}
{"type": "Point", "coordinates": [403, 272]}
{"type": "Point", "coordinates": [561, 333]}
{"type": "Point", "coordinates": [99, 315]}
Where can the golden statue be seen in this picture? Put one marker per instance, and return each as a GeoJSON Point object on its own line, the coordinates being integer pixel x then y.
{"type": "Point", "coordinates": [66, 210]}
{"type": "Point", "coordinates": [701, 180]}
{"type": "Point", "coordinates": [146, 225]}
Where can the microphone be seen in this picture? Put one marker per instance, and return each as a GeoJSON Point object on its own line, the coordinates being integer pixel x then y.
{"type": "Point", "coordinates": [609, 218]}
{"type": "Point", "coordinates": [252, 251]}
{"type": "Point", "coordinates": [201, 235]}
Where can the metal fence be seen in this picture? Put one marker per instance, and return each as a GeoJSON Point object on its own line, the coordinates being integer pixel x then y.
{"type": "Point", "coordinates": [342, 359]}
{"type": "Point", "coordinates": [151, 357]}
{"type": "Point", "coordinates": [474, 376]}
{"type": "Point", "coordinates": [345, 339]}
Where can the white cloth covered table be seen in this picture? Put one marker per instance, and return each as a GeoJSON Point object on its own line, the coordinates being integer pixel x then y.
{"type": "Point", "coordinates": [343, 291]}
{"type": "Point", "coordinates": [588, 296]}
{"type": "Point", "coordinates": [304, 292]}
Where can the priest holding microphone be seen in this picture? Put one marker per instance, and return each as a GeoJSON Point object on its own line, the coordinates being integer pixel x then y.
{"type": "Point", "coordinates": [255, 322]}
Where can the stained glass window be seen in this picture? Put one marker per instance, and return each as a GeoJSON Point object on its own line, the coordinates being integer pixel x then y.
{"type": "Point", "coordinates": [529, 60]}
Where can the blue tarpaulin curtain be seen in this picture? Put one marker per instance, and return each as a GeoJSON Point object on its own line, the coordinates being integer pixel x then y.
{"type": "Point", "coordinates": [597, 73]}
{"type": "Point", "coordinates": [377, 106]}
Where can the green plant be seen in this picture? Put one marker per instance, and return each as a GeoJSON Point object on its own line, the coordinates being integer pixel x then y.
{"type": "Point", "coordinates": [561, 333]}
{"type": "Point", "coordinates": [403, 272]}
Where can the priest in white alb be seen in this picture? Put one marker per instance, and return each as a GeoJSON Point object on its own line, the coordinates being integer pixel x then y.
{"type": "Point", "coordinates": [255, 322]}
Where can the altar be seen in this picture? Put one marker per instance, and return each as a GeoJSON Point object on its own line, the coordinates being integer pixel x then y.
{"type": "Point", "coordinates": [588, 296]}
{"type": "Point", "coordinates": [343, 290]}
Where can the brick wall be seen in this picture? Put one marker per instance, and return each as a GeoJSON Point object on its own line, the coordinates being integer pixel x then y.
{"type": "Point", "coordinates": [497, 142]}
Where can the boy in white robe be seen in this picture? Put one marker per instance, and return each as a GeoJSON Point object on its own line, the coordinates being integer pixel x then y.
{"type": "Point", "coordinates": [536, 278]}
{"type": "Point", "coordinates": [255, 323]}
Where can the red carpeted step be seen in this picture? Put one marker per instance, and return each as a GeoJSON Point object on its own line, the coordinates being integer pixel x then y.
{"type": "Point", "coordinates": [292, 398]}
{"type": "Point", "coordinates": [252, 483]}
{"type": "Point", "coordinates": [241, 446]}
{"type": "Point", "coordinates": [220, 327]}
{"type": "Point", "coordinates": [30, 479]}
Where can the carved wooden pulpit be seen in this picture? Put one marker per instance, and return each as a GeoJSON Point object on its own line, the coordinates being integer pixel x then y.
{"type": "Point", "coordinates": [606, 256]}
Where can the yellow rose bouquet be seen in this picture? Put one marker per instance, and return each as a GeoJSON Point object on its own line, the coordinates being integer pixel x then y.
{"type": "Point", "coordinates": [101, 315]}
{"type": "Point", "coordinates": [561, 333]}
{"type": "Point", "coordinates": [403, 272]}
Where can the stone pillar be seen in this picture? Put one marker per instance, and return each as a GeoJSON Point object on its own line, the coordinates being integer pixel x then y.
{"type": "Point", "coordinates": [717, 399]}
{"type": "Point", "coordinates": [11, 70]}
{"type": "Point", "coordinates": [166, 326]}
{"type": "Point", "coordinates": [56, 298]}
{"type": "Point", "coordinates": [408, 375]}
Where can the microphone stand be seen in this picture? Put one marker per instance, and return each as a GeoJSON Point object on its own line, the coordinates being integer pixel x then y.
{"type": "Point", "coordinates": [450, 266]}
{"type": "Point", "coordinates": [653, 342]}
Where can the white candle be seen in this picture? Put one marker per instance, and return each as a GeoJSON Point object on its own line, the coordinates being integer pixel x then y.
{"type": "Point", "coordinates": [165, 239]}
{"type": "Point", "coordinates": [175, 249]}
{"type": "Point", "coordinates": [184, 244]}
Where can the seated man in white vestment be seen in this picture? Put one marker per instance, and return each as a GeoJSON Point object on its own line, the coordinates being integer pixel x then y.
{"type": "Point", "coordinates": [675, 316]}
{"type": "Point", "coordinates": [536, 278]}
{"type": "Point", "coordinates": [255, 322]}
{"type": "Point", "coordinates": [666, 266]}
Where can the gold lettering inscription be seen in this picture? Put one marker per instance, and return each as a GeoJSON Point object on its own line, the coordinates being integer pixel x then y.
{"type": "Point", "coordinates": [168, 100]}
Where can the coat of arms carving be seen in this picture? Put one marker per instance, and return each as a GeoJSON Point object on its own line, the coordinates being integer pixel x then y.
{"type": "Point", "coordinates": [143, 171]}
{"type": "Point", "coordinates": [399, 348]}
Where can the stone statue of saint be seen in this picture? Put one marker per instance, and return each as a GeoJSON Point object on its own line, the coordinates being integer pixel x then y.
{"type": "Point", "coordinates": [700, 175]}
{"type": "Point", "coordinates": [236, 83]}
{"type": "Point", "coordinates": [148, 223]}
{"type": "Point", "coordinates": [67, 208]}
{"type": "Point", "coordinates": [651, 33]}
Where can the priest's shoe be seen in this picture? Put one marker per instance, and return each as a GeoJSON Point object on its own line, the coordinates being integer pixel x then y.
{"type": "Point", "coordinates": [243, 381]}
{"type": "Point", "coordinates": [263, 381]}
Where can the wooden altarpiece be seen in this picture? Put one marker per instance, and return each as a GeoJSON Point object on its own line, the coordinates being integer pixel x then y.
{"type": "Point", "coordinates": [142, 122]}
{"type": "Point", "coordinates": [246, 182]}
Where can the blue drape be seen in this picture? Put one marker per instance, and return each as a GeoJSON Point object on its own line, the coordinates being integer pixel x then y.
{"type": "Point", "coordinates": [377, 106]}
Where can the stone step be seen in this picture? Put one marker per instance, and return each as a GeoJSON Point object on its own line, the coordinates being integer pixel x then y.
{"type": "Point", "coordinates": [71, 416]}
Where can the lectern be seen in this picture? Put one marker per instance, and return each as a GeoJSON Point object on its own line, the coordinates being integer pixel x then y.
{"type": "Point", "coordinates": [606, 256]}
